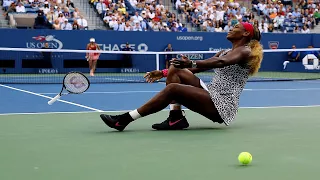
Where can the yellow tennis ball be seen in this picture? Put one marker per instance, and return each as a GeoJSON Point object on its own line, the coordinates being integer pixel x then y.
{"type": "Point", "coordinates": [245, 158]}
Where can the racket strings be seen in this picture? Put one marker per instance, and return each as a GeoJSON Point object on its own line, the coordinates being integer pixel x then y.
{"type": "Point", "coordinates": [76, 83]}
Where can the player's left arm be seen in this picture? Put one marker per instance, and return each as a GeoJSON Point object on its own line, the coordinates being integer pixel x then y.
{"type": "Point", "coordinates": [98, 47]}
{"type": "Point", "coordinates": [234, 57]}
{"type": "Point", "coordinates": [87, 49]}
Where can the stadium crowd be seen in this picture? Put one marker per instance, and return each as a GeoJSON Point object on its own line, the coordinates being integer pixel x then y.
{"type": "Point", "coordinates": [151, 15]}
{"type": "Point", "coordinates": [52, 14]}
{"type": "Point", "coordinates": [209, 15]}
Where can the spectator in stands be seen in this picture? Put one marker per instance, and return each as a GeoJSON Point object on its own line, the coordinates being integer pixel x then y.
{"type": "Point", "coordinates": [101, 7]}
{"type": "Point", "coordinates": [66, 13]}
{"type": "Point", "coordinates": [51, 16]}
{"type": "Point", "coordinates": [183, 28]}
{"type": "Point", "coordinates": [228, 27]}
{"type": "Point", "coordinates": [92, 2]}
{"type": "Point", "coordinates": [35, 3]}
{"type": "Point", "coordinates": [127, 27]}
{"type": "Point", "coordinates": [210, 27]}
{"type": "Point", "coordinates": [56, 25]}
{"type": "Point", "coordinates": [45, 7]}
{"type": "Point", "coordinates": [119, 26]}
{"type": "Point", "coordinates": [75, 25]}
{"type": "Point", "coordinates": [58, 10]}
{"type": "Point", "coordinates": [132, 22]}
{"type": "Point", "coordinates": [61, 18]}
{"type": "Point", "coordinates": [127, 17]}
{"type": "Point", "coordinates": [70, 4]}
{"type": "Point", "coordinates": [10, 9]}
{"type": "Point", "coordinates": [155, 25]}
{"type": "Point", "coordinates": [296, 29]}
{"type": "Point", "coordinates": [7, 3]}
{"type": "Point", "coordinates": [278, 22]}
{"type": "Point", "coordinates": [174, 27]}
{"type": "Point", "coordinates": [218, 28]}
{"type": "Point", "coordinates": [76, 13]}
{"type": "Point", "coordinates": [137, 27]}
{"type": "Point", "coordinates": [41, 21]}
{"type": "Point", "coordinates": [263, 26]}
{"type": "Point", "coordinates": [165, 28]}
{"type": "Point", "coordinates": [137, 17]}
{"type": "Point", "coordinates": [316, 16]}
{"type": "Point", "coordinates": [270, 28]}
{"type": "Point", "coordinates": [233, 20]}
{"type": "Point", "coordinates": [20, 8]}
{"type": "Point", "coordinates": [305, 29]}
{"type": "Point", "coordinates": [112, 23]}
{"type": "Point", "coordinates": [66, 25]}
{"type": "Point", "coordinates": [133, 3]}
{"type": "Point", "coordinates": [108, 18]}
{"type": "Point", "coordinates": [122, 9]}
{"type": "Point", "coordinates": [293, 56]}
{"type": "Point", "coordinates": [83, 23]}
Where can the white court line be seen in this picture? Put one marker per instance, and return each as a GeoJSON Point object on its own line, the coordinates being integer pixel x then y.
{"type": "Point", "coordinates": [129, 92]}
{"type": "Point", "coordinates": [39, 113]}
{"type": "Point", "coordinates": [113, 92]}
{"type": "Point", "coordinates": [37, 94]}
{"type": "Point", "coordinates": [125, 80]}
{"type": "Point", "coordinates": [120, 111]}
{"type": "Point", "coordinates": [312, 82]}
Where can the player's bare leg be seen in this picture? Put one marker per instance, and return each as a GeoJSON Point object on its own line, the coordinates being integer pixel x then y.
{"type": "Point", "coordinates": [176, 118]}
{"type": "Point", "coordinates": [194, 98]}
{"type": "Point", "coordinates": [93, 67]}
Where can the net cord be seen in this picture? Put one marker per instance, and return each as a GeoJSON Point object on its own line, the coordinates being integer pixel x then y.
{"type": "Point", "coordinates": [140, 52]}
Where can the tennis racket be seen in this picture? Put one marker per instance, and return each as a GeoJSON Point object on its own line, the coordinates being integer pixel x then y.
{"type": "Point", "coordinates": [74, 83]}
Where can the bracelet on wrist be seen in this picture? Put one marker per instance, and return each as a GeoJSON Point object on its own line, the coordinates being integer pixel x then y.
{"type": "Point", "coordinates": [164, 72]}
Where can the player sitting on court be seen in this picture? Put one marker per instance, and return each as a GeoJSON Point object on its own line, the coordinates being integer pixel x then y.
{"type": "Point", "coordinates": [217, 101]}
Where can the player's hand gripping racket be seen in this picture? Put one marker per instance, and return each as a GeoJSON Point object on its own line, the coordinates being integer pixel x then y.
{"type": "Point", "coordinates": [74, 83]}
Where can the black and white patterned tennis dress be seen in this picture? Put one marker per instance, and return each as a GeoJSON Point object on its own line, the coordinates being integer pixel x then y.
{"type": "Point", "coordinates": [226, 87]}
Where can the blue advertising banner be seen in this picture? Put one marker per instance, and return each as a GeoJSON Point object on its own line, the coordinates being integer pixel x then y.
{"type": "Point", "coordinates": [143, 41]}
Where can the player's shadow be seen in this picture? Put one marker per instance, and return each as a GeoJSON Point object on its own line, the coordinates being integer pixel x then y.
{"type": "Point", "coordinates": [240, 166]}
{"type": "Point", "coordinates": [189, 130]}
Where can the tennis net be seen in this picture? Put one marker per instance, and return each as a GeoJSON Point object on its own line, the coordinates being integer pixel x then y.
{"type": "Point", "coordinates": [48, 66]}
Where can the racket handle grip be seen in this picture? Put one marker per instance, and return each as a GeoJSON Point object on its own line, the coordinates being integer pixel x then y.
{"type": "Point", "coordinates": [54, 99]}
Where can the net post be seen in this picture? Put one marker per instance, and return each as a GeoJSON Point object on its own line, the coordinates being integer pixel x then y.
{"type": "Point", "coordinates": [157, 61]}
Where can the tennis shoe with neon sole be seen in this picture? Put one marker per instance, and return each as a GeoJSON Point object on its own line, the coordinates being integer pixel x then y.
{"type": "Point", "coordinates": [175, 121]}
{"type": "Point", "coordinates": [118, 122]}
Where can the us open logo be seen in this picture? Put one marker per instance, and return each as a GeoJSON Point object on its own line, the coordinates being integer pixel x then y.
{"type": "Point", "coordinates": [273, 44]}
{"type": "Point", "coordinates": [41, 40]}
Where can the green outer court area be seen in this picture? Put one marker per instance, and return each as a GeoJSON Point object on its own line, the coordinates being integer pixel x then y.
{"type": "Point", "coordinates": [284, 143]}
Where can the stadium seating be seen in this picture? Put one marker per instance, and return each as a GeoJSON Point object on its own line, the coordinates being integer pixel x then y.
{"type": "Point", "coordinates": [217, 16]}
{"type": "Point", "coordinates": [39, 14]}
{"type": "Point", "coordinates": [186, 15]}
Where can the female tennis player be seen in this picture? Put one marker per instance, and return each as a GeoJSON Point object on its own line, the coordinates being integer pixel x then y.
{"type": "Point", "coordinates": [92, 58]}
{"type": "Point", "coordinates": [217, 101]}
